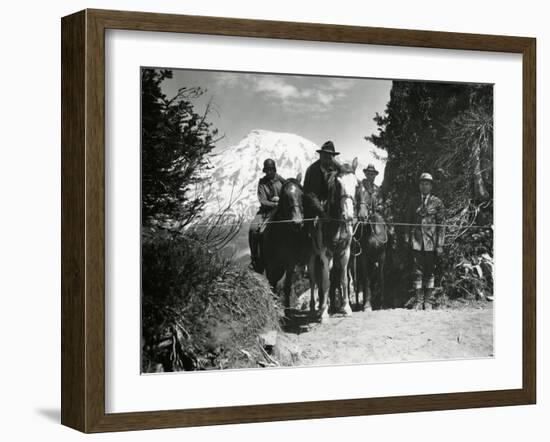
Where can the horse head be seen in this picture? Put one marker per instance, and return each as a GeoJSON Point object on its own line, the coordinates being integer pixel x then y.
{"type": "Point", "coordinates": [343, 191]}
{"type": "Point", "coordinates": [361, 203]}
{"type": "Point", "coordinates": [291, 207]}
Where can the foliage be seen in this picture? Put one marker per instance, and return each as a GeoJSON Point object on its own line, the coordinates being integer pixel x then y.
{"type": "Point", "coordinates": [445, 129]}
{"type": "Point", "coordinates": [199, 311]}
{"type": "Point", "coordinates": [175, 142]}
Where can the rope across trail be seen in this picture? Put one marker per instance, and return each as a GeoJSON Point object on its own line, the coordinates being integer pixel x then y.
{"type": "Point", "coordinates": [355, 221]}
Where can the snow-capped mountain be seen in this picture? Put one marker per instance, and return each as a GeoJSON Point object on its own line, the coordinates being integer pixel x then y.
{"type": "Point", "coordinates": [233, 178]}
{"type": "Point", "coordinates": [236, 170]}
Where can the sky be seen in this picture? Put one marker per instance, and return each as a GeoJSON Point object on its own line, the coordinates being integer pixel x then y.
{"type": "Point", "coordinates": [317, 108]}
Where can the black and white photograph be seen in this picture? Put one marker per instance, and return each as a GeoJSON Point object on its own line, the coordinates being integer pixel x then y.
{"type": "Point", "coordinates": [298, 220]}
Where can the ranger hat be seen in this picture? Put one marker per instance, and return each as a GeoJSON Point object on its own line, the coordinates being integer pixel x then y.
{"type": "Point", "coordinates": [328, 147]}
{"type": "Point", "coordinates": [269, 164]}
{"type": "Point", "coordinates": [426, 177]}
{"type": "Point", "coordinates": [370, 168]}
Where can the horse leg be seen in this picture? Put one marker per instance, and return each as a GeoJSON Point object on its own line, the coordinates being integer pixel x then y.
{"type": "Point", "coordinates": [367, 292]}
{"type": "Point", "coordinates": [381, 279]}
{"type": "Point", "coordinates": [270, 275]}
{"type": "Point", "coordinates": [324, 286]}
{"type": "Point", "coordinates": [352, 279]}
{"type": "Point", "coordinates": [288, 285]}
{"type": "Point", "coordinates": [333, 279]}
{"type": "Point", "coordinates": [274, 274]}
{"type": "Point", "coordinates": [353, 282]}
{"type": "Point", "coordinates": [344, 261]}
{"type": "Point", "coordinates": [358, 284]}
{"type": "Point", "coordinates": [312, 270]}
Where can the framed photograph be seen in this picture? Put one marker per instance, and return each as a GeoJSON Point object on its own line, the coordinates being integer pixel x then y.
{"type": "Point", "coordinates": [266, 221]}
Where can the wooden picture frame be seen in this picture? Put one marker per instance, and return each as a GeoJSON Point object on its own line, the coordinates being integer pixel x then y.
{"type": "Point", "coordinates": [83, 220]}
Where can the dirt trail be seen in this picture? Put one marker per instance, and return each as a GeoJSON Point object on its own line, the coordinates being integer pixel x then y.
{"type": "Point", "coordinates": [391, 336]}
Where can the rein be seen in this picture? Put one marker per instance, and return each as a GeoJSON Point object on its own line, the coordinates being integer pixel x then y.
{"type": "Point", "coordinates": [375, 235]}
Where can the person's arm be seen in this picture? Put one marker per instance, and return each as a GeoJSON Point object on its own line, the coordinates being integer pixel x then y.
{"type": "Point", "coordinates": [264, 198]}
{"type": "Point", "coordinates": [440, 228]}
{"type": "Point", "coordinates": [410, 219]}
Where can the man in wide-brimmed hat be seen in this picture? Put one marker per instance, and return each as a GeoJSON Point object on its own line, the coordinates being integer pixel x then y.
{"type": "Point", "coordinates": [426, 235]}
{"type": "Point", "coordinates": [269, 189]}
{"type": "Point", "coordinates": [373, 193]}
{"type": "Point", "coordinates": [315, 181]}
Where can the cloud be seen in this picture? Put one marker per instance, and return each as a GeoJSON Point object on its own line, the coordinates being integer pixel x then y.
{"type": "Point", "coordinates": [296, 93]}
{"type": "Point", "coordinates": [276, 87]}
{"type": "Point", "coordinates": [341, 84]}
{"type": "Point", "coordinates": [325, 98]}
{"type": "Point", "coordinates": [295, 98]}
{"type": "Point", "coordinates": [227, 79]}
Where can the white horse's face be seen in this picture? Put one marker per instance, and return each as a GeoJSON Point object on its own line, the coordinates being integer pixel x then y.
{"type": "Point", "coordinates": [348, 183]}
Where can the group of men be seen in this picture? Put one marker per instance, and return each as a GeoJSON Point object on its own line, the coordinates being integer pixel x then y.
{"type": "Point", "coordinates": [424, 221]}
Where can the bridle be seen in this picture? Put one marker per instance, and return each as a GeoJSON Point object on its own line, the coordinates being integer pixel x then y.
{"type": "Point", "coordinates": [344, 198]}
{"type": "Point", "coordinates": [293, 205]}
{"type": "Point", "coordinates": [370, 222]}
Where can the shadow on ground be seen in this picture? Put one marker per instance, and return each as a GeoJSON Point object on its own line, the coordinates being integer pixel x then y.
{"type": "Point", "coordinates": [298, 321]}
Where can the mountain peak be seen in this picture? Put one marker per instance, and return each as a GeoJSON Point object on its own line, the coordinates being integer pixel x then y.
{"type": "Point", "coordinates": [237, 169]}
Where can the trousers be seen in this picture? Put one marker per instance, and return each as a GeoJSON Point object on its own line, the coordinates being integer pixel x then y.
{"type": "Point", "coordinates": [424, 264]}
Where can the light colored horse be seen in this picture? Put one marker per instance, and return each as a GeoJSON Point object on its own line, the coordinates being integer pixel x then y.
{"type": "Point", "coordinates": [331, 240]}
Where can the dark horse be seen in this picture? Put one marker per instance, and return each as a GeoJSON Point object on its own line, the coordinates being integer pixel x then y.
{"type": "Point", "coordinates": [284, 242]}
{"type": "Point", "coordinates": [369, 257]}
{"type": "Point", "coordinates": [331, 239]}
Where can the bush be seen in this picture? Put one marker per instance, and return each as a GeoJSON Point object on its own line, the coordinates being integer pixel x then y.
{"type": "Point", "coordinates": [199, 311]}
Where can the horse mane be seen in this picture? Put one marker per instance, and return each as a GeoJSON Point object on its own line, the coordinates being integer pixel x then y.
{"type": "Point", "coordinates": [292, 181]}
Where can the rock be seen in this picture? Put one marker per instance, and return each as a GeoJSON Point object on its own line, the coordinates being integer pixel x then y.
{"type": "Point", "coordinates": [286, 351]}
{"type": "Point", "coordinates": [268, 339]}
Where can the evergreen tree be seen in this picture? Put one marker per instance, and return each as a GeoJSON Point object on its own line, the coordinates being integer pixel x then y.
{"type": "Point", "coordinates": [175, 141]}
{"type": "Point", "coordinates": [441, 128]}
{"type": "Point", "coordinates": [445, 129]}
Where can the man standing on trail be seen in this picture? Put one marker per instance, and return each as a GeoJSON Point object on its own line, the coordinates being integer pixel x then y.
{"type": "Point", "coordinates": [373, 193]}
{"type": "Point", "coordinates": [269, 189]}
{"type": "Point", "coordinates": [316, 179]}
{"type": "Point", "coordinates": [426, 236]}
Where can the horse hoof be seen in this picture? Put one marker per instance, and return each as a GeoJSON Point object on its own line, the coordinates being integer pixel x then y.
{"type": "Point", "coordinates": [323, 315]}
{"type": "Point", "coordinates": [367, 308]}
{"type": "Point", "coordinates": [347, 310]}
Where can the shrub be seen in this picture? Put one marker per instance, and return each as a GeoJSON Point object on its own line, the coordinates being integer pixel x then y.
{"type": "Point", "coordinates": [199, 311]}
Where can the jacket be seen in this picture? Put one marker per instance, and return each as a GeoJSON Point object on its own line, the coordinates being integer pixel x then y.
{"type": "Point", "coordinates": [423, 236]}
{"type": "Point", "coordinates": [315, 181]}
{"type": "Point", "coordinates": [267, 190]}
{"type": "Point", "coordinates": [373, 198]}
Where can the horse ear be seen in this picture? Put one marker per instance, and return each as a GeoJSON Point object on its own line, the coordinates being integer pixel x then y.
{"type": "Point", "coordinates": [354, 164]}
{"type": "Point", "coordinates": [299, 177]}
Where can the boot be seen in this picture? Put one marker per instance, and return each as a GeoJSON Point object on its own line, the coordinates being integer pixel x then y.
{"type": "Point", "coordinates": [256, 263]}
{"type": "Point", "coordinates": [418, 300]}
{"type": "Point", "coordinates": [419, 305]}
{"type": "Point", "coordinates": [429, 299]}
